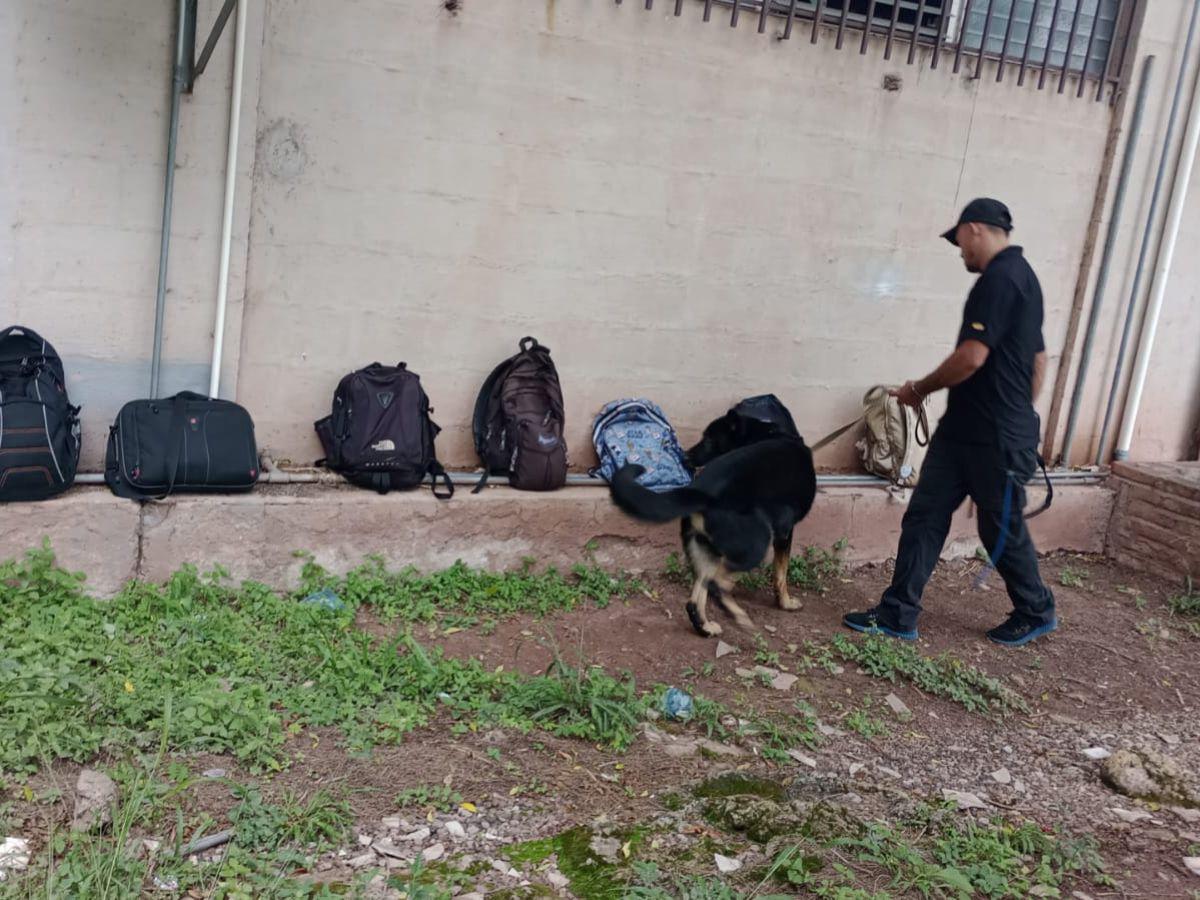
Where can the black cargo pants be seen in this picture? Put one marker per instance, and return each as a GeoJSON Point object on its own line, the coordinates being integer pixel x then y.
{"type": "Point", "coordinates": [953, 471]}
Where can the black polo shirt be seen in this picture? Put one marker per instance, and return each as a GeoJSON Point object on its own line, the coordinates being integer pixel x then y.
{"type": "Point", "coordinates": [1004, 312]}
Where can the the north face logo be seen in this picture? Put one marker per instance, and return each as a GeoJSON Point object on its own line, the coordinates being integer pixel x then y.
{"type": "Point", "coordinates": [385, 398]}
{"type": "Point", "coordinates": [384, 446]}
{"type": "Point", "coordinates": [547, 440]}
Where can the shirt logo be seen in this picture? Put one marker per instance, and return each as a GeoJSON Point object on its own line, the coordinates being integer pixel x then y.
{"type": "Point", "coordinates": [978, 326]}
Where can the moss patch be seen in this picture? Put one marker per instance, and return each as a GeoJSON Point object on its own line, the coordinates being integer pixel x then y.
{"type": "Point", "coordinates": [735, 784]}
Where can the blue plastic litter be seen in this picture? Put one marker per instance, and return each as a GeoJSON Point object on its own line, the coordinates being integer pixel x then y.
{"type": "Point", "coordinates": [326, 599]}
{"type": "Point", "coordinates": [677, 704]}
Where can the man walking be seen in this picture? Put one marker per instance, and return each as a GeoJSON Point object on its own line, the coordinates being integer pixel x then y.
{"type": "Point", "coordinates": [985, 446]}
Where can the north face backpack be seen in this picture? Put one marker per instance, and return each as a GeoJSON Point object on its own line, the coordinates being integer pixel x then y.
{"type": "Point", "coordinates": [893, 446]}
{"type": "Point", "coordinates": [379, 434]}
{"type": "Point", "coordinates": [637, 431]}
{"type": "Point", "coordinates": [39, 428]}
{"type": "Point", "coordinates": [518, 423]}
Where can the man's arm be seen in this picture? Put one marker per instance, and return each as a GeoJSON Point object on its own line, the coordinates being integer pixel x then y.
{"type": "Point", "coordinates": [955, 369]}
{"type": "Point", "coordinates": [1039, 374]}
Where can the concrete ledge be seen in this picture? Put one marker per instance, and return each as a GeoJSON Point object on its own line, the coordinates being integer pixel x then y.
{"type": "Point", "coordinates": [255, 535]}
{"type": "Point", "coordinates": [1156, 520]}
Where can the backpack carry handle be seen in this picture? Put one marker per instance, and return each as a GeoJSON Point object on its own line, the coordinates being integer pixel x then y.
{"type": "Point", "coordinates": [531, 341]}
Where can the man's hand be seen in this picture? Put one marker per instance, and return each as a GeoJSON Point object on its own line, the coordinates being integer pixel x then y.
{"type": "Point", "coordinates": [908, 395]}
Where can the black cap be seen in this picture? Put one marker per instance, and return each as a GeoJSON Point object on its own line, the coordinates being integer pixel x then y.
{"type": "Point", "coordinates": [984, 211]}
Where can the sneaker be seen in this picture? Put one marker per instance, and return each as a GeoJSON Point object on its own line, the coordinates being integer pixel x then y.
{"type": "Point", "coordinates": [875, 621]}
{"type": "Point", "coordinates": [1019, 631]}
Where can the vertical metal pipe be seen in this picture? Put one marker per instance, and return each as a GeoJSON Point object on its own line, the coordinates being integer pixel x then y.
{"type": "Point", "coordinates": [1066, 66]}
{"type": "Point", "coordinates": [916, 34]}
{"type": "Point", "coordinates": [1110, 240]}
{"type": "Point", "coordinates": [179, 77]}
{"type": "Point", "coordinates": [707, 9]}
{"type": "Point", "coordinates": [1012, 17]}
{"type": "Point", "coordinates": [987, 26]}
{"type": "Point", "coordinates": [1028, 43]}
{"type": "Point", "coordinates": [1049, 44]}
{"type": "Point", "coordinates": [679, 7]}
{"type": "Point", "coordinates": [1147, 233]}
{"type": "Point", "coordinates": [842, 23]}
{"type": "Point", "coordinates": [733, 18]}
{"type": "Point", "coordinates": [762, 15]}
{"type": "Point", "coordinates": [817, 20]}
{"type": "Point", "coordinates": [1162, 271]}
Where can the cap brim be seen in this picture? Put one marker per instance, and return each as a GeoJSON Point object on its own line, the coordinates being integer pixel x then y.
{"type": "Point", "coordinates": [951, 235]}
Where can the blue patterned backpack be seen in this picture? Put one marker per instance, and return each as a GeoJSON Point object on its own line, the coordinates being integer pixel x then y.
{"type": "Point", "coordinates": [637, 431]}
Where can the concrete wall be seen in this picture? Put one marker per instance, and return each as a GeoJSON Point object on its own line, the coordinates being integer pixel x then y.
{"type": "Point", "coordinates": [684, 211]}
{"type": "Point", "coordinates": [84, 105]}
{"type": "Point", "coordinates": [1170, 412]}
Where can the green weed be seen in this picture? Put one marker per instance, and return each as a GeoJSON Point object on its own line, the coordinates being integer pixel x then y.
{"type": "Point", "coordinates": [1072, 577]}
{"type": "Point", "coordinates": [435, 798]}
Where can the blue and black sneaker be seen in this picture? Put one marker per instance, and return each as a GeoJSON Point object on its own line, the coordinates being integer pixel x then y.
{"type": "Point", "coordinates": [877, 621]}
{"type": "Point", "coordinates": [1019, 630]}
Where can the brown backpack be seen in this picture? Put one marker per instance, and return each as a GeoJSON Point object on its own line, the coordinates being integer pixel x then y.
{"type": "Point", "coordinates": [518, 422]}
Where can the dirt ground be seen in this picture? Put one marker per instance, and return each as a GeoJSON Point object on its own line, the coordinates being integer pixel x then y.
{"type": "Point", "coordinates": [1119, 673]}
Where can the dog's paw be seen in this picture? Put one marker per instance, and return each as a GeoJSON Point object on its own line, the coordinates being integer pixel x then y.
{"type": "Point", "coordinates": [712, 629]}
{"type": "Point", "coordinates": [631, 471]}
{"type": "Point", "coordinates": [791, 604]}
{"type": "Point", "coordinates": [704, 629]}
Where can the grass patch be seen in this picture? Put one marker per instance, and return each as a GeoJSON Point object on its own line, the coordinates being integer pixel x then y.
{"type": "Point", "coordinates": [938, 855]}
{"type": "Point", "coordinates": [242, 668]}
{"type": "Point", "coordinates": [429, 798]}
{"type": "Point", "coordinates": [462, 593]}
{"type": "Point", "coordinates": [811, 569]}
{"type": "Point", "coordinates": [1072, 577]}
{"type": "Point", "coordinates": [1187, 607]}
{"type": "Point", "coordinates": [942, 676]}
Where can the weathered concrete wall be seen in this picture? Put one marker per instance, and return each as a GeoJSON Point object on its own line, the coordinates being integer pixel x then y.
{"type": "Point", "coordinates": [433, 187]}
{"type": "Point", "coordinates": [685, 211]}
{"type": "Point", "coordinates": [1170, 411]}
{"type": "Point", "coordinates": [255, 535]}
{"type": "Point", "coordinates": [84, 106]}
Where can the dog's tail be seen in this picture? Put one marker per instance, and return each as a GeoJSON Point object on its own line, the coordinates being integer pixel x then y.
{"type": "Point", "coordinates": [651, 506]}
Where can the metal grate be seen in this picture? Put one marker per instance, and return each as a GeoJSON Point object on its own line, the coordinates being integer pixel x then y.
{"type": "Point", "coordinates": [1083, 40]}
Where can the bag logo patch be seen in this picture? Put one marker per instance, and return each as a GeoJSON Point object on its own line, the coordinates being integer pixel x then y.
{"type": "Point", "coordinates": [547, 440]}
{"type": "Point", "coordinates": [978, 326]}
{"type": "Point", "coordinates": [384, 446]}
{"type": "Point", "coordinates": [385, 398]}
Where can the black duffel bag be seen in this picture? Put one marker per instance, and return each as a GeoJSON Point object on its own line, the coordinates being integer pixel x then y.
{"type": "Point", "coordinates": [186, 443]}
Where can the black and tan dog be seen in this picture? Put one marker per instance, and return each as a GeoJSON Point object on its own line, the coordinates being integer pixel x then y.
{"type": "Point", "coordinates": [753, 489]}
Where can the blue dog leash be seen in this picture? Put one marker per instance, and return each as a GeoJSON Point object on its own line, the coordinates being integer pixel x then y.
{"type": "Point", "coordinates": [1006, 514]}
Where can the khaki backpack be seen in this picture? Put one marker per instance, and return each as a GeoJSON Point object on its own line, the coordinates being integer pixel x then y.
{"type": "Point", "coordinates": [893, 446]}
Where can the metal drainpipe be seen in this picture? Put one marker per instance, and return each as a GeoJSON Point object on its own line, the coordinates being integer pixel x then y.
{"type": "Point", "coordinates": [1147, 239]}
{"type": "Point", "coordinates": [1162, 271]}
{"type": "Point", "coordinates": [1110, 240]}
{"type": "Point", "coordinates": [177, 85]}
{"type": "Point", "coordinates": [231, 157]}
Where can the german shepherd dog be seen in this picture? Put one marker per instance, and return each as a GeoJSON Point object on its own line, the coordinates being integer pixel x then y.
{"type": "Point", "coordinates": [755, 485]}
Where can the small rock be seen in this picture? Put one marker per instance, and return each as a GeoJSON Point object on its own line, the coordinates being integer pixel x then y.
{"type": "Point", "coordinates": [724, 649]}
{"type": "Point", "coordinates": [855, 768]}
{"type": "Point", "coordinates": [743, 673]}
{"type": "Point", "coordinates": [455, 830]}
{"type": "Point", "coordinates": [837, 670]}
{"type": "Point", "coordinates": [390, 850]}
{"type": "Point", "coordinates": [433, 853]}
{"type": "Point", "coordinates": [1002, 776]}
{"type": "Point", "coordinates": [149, 845]}
{"type": "Point", "coordinates": [508, 871]}
{"type": "Point", "coordinates": [1080, 895]}
{"type": "Point", "coordinates": [1097, 753]}
{"type": "Point", "coordinates": [680, 749]}
{"type": "Point", "coordinates": [1132, 816]}
{"type": "Point", "coordinates": [963, 799]}
{"type": "Point", "coordinates": [213, 773]}
{"type": "Point", "coordinates": [1193, 864]}
{"type": "Point", "coordinates": [829, 730]}
{"type": "Point", "coordinates": [392, 823]}
{"type": "Point", "coordinates": [1171, 740]}
{"type": "Point", "coordinates": [725, 865]}
{"type": "Point", "coordinates": [474, 895]}
{"type": "Point", "coordinates": [802, 759]}
{"type": "Point", "coordinates": [95, 797]}
{"type": "Point", "coordinates": [1042, 890]}
{"type": "Point", "coordinates": [718, 749]}
{"type": "Point", "coordinates": [421, 834]}
{"type": "Point", "coordinates": [558, 881]}
{"type": "Point", "coordinates": [1191, 816]}
{"type": "Point", "coordinates": [364, 840]}
{"type": "Point", "coordinates": [897, 705]}
{"type": "Point", "coordinates": [1146, 774]}
{"type": "Point", "coordinates": [770, 629]}
{"type": "Point", "coordinates": [783, 681]}
{"type": "Point", "coordinates": [166, 884]}
{"type": "Point", "coordinates": [362, 861]}
{"type": "Point", "coordinates": [607, 848]}
{"type": "Point", "coordinates": [14, 855]}
{"type": "Point", "coordinates": [766, 671]}
{"type": "Point", "coordinates": [890, 773]}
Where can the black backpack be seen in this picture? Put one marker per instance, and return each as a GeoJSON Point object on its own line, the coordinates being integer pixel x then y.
{"type": "Point", "coordinates": [39, 428]}
{"type": "Point", "coordinates": [518, 423]}
{"type": "Point", "coordinates": [379, 434]}
{"type": "Point", "coordinates": [768, 412]}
